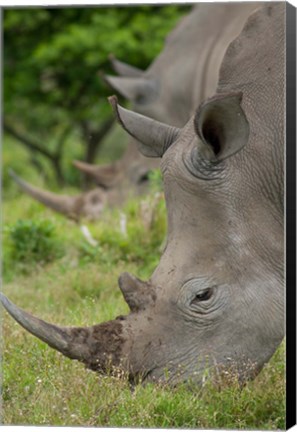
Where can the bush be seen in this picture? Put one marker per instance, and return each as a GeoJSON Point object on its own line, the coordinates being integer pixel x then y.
{"type": "Point", "coordinates": [34, 241]}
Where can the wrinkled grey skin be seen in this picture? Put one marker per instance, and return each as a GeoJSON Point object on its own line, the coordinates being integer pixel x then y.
{"type": "Point", "coordinates": [217, 295]}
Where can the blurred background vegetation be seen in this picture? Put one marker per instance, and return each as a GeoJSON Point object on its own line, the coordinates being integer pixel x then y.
{"type": "Point", "coordinates": [55, 107]}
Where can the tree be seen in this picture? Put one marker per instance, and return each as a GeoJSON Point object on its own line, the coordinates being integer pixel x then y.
{"type": "Point", "coordinates": [51, 63]}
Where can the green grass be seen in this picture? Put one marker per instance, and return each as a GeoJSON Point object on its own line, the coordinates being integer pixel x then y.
{"type": "Point", "coordinates": [79, 287]}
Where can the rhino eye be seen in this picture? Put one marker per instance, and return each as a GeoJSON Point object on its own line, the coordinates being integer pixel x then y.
{"type": "Point", "coordinates": [203, 295]}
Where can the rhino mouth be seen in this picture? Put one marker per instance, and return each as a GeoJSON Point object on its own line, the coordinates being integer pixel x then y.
{"type": "Point", "coordinates": [140, 378]}
{"type": "Point", "coordinates": [164, 377]}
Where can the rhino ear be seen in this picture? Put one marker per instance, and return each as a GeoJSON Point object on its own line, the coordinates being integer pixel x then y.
{"type": "Point", "coordinates": [222, 126]}
{"type": "Point", "coordinates": [137, 90]}
{"type": "Point", "coordinates": [123, 69]}
{"type": "Point", "coordinates": [153, 138]}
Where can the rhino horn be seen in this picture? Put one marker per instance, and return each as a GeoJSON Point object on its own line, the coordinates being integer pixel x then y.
{"type": "Point", "coordinates": [123, 69]}
{"type": "Point", "coordinates": [138, 294]}
{"type": "Point", "coordinates": [98, 346]}
{"type": "Point", "coordinates": [153, 137]}
{"type": "Point", "coordinates": [222, 126]}
{"type": "Point", "coordinates": [85, 167]}
{"type": "Point", "coordinates": [59, 203]}
{"type": "Point", "coordinates": [104, 176]}
{"type": "Point", "coordinates": [138, 90]}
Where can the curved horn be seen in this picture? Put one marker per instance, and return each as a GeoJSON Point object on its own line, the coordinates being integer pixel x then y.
{"type": "Point", "coordinates": [98, 347]}
{"type": "Point", "coordinates": [138, 294]}
{"type": "Point", "coordinates": [137, 90]}
{"type": "Point", "coordinates": [60, 203]}
{"type": "Point", "coordinates": [123, 69]}
{"type": "Point", "coordinates": [104, 175]}
{"type": "Point", "coordinates": [85, 167]}
{"type": "Point", "coordinates": [153, 137]}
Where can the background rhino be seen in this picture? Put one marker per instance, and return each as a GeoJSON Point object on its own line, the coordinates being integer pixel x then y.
{"type": "Point", "coordinates": [166, 92]}
{"type": "Point", "coordinates": [186, 72]}
{"type": "Point", "coordinates": [216, 297]}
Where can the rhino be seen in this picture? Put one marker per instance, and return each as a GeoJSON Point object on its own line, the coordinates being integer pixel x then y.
{"type": "Point", "coordinates": [216, 298]}
{"type": "Point", "coordinates": [186, 71]}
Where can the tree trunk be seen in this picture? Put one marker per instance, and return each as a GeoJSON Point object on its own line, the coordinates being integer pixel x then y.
{"type": "Point", "coordinates": [93, 140]}
{"type": "Point", "coordinates": [56, 164]}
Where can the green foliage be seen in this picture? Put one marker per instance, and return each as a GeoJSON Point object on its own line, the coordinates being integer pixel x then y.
{"type": "Point", "coordinates": [51, 62]}
{"type": "Point", "coordinates": [140, 242]}
{"type": "Point", "coordinates": [19, 160]}
{"type": "Point", "coordinates": [139, 245]}
{"type": "Point", "coordinates": [33, 242]}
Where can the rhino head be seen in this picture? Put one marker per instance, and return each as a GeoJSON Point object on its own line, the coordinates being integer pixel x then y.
{"type": "Point", "coordinates": [216, 299]}
{"type": "Point", "coordinates": [219, 285]}
{"type": "Point", "coordinates": [105, 176]}
{"type": "Point", "coordinates": [128, 175]}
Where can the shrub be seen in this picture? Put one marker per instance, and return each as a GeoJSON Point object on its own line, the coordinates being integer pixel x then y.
{"type": "Point", "coordinates": [34, 241]}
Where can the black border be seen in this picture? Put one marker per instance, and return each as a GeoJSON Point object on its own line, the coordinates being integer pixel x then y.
{"type": "Point", "coordinates": [291, 215]}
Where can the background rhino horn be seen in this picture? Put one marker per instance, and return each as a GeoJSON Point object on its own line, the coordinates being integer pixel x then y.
{"type": "Point", "coordinates": [123, 69]}
{"type": "Point", "coordinates": [138, 294]}
{"type": "Point", "coordinates": [105, 175]}
{"type": "Point", "coordinates": [221, 124]}
{"type": "Point", "coordinates": [153, 137]}
{"type": "Point", "coordinates": [98, 347]}
{"type": "Point", "coordinates": [59, 203]}
{"type": "Point", "coordinates": [137, 90]}
{"type": "Point", "coordinates": [85, 167]}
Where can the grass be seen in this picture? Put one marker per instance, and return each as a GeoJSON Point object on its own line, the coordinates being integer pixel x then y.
{"type": "Point", "coordinates": [79, 287]}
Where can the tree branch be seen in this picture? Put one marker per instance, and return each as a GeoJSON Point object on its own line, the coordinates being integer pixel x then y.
{"type": "Point", "coordinates": [55, 157]}
{"type": "Point", "coordinates": [30, 144]}
{"type": "Point", "coordinates": [61, 141]}
{"type": "Point", "coordinates": [94, 137]}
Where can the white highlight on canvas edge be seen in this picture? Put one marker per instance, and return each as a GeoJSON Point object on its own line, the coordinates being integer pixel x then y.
{"type": "Point", "coordinates": [73, 3]}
